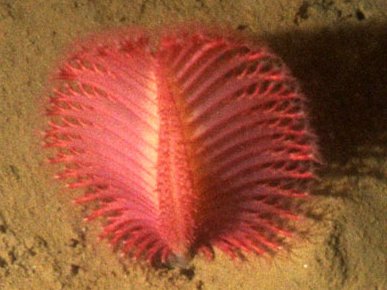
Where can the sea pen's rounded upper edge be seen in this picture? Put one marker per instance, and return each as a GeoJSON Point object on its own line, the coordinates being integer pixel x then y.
{"type": "Point", "coordinates": [88, 42]}
{"type": "Point", "coordinates": [106, 37]}
{"type": "Point", "coordinates": [155, 37]}
{"type": "Point", "coordinates": [91, 42]}
{"type": "Point", "coordinates": [210, 31]}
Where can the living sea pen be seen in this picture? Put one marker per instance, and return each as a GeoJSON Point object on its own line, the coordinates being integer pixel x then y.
{"type": "Point", "coordinates": [196, 141]}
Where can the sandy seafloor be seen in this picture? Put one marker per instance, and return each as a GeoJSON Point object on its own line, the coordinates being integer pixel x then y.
{"type": "Point", "coordinates": [338, 51]}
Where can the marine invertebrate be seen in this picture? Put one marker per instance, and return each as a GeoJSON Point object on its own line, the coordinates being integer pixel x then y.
{"type": "Point", "coordinates": [198, 141]}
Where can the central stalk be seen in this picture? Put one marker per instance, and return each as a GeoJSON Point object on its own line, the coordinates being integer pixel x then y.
{"type": "Point", "coordinates": [174, 178]}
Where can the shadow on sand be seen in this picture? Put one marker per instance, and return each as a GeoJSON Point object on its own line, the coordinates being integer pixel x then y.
{"type": "Point", "coordinates": [344, 74]}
